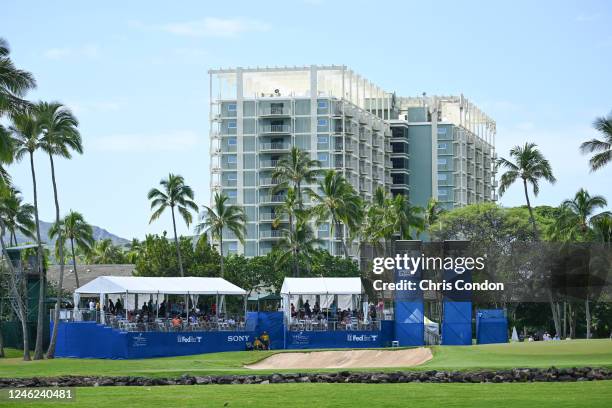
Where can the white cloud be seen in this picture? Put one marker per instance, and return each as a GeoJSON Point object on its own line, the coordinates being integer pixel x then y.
{"type": "Point", "coordinates": [207, 27]}
{"type": "Point", "coordinates": [175, 141]}
{"type": "Point", "coordinates": [81, 107]}
{"type": "Point", "coordinates": [89, 51]}
{"type": "Point", "coordinates": [585, 18]}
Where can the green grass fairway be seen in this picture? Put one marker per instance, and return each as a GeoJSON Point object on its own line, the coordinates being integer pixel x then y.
{"type": "Point", "coordinates": [537, 354]}
{"type": "Point", "coordinates": [529, 395]}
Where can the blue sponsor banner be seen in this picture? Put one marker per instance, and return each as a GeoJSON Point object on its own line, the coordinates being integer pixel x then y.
{"type": "Point", "coordinates": [92, 340]}
{"type": "Point", "coordinates": [334, 339]}
{"type": "Point", "coordinates": [409, 323]}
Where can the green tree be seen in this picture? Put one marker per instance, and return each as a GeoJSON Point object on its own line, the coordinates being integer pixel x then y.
{"type": "Point", "coordinates": [14, 83]}
{"type": "Point", "coordinates": [75, 229]}
{"type": "Point", "coordinates": [405, 217]}
{"type": "Point", "coordinates": [338, 204]}
{"type": "Point", "coordinates": [14, 217]}
{"type": "Point", "coordinates": [529, 165]}
{"type": "Point", "coordinates": [27, 133]}
{"type": "Point", "coordinates": [60, 137]}
{"type": "Point", "coordinates": [301, 243]}
{"type": "Point", "coordinates": [602, 227]}
{"type": "Point", "coordinates": [291, 208]}
{"type": "Point", "coordinates": [104, 252]}
{"type": "Point", "coordinates": [174, 193]}
{"type": "Point", "coordinates": [432, 214]}
{"type": "Point", "coordinates": [295, 170]}
{"type": "Point", "coordinates": [17, 216]}
{"type": "Point", "coordinates": [604, 147]}
{"type": "Point", "coordinates": [576, 214]}
{"type": "Point", "coordinates": [222, 216]}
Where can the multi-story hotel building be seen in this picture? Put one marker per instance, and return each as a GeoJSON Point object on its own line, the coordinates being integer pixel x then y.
{"type": "Point", "coordinates": [405, 145]}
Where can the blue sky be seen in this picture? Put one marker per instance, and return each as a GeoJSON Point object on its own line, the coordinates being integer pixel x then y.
{"type": "Point", "coordinates": [135, 73]}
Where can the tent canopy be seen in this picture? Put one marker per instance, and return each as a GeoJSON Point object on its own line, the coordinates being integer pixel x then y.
{"type": "Point", "coordinates": [172, 286]}
{"type": "Point", "coordinates": [322, 286]}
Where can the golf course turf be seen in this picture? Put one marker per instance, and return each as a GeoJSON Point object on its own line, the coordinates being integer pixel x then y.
{"type": "Point", "coordinates": [578, 353]}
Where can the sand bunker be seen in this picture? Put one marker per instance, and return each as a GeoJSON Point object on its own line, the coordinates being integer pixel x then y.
{"type": "Point", "coordinates": [345, 359]}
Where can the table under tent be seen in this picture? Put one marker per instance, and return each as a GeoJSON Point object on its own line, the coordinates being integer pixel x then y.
{"type": "Point", "coordinates": [135, 317]}
{"type": "Point", "coordinates": [330, 312]}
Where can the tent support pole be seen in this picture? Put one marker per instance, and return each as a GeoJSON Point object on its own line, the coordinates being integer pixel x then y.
{"type": "Point", "coordinates": [217, 307]}
{"type": "Point", "coordinates": [245, 310]}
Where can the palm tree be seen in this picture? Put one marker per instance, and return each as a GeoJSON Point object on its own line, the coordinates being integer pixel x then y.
{"type": "Point", "coordinates": [406, 217]}
{"type": "Point", "coordinates": [14, 83]}
{"type": "Point", "coordinates": [338, 203]}
{"type": "Point", "coordinates": [27, 139]}
{"type": "Point", "coordinates": [529, 165]}
{"type": "Point", "coordinates": [222, 216]}
{"type": "Point", "coordinates": [379, 225]}
{"type": "Point", "coordinates": [294, 170]}
{"type": "Point", "coordinates": [583, 206]}
{"type": "Point", "coordinates": [134, 250]}
{"type": "Point", "coordinates": [73, 227]}
{"type": "Point", "coordinates": [296, 245]}
{"type": "Point", "coordinates": [175, 193]}
{"type": "Point", "coordinates": [432, 214]}
{"type": "Point", "coordinates": [290, 207]}
{"type": "Point", "coordinates": [17, 215]}
{"type": "Point", "coordinates": [15, 218]}
{"type": "Point", "coordinates": [604, 147]}
{"type": "Point", "coordinates": [602, 227]}
{"type": "Point", "coordinates": [105, 252]}
{"type": "Point", "coordinates": [60, 136]}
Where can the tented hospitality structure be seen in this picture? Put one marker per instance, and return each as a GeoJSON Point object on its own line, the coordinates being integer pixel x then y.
{"type": "Point", "coordinates": [158, 286]}
{"type": "Point", "coordinates": [343, 290]}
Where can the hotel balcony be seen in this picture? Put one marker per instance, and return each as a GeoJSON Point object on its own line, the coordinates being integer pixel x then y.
{"type": "Point", "coordinates": [274, 129]}
{"type": "Point", "coordinates": [270, 217]}
{"type": "Point", "coordinates": [272, 199]}
{"type": "Point", "coordinates": [275, 147]}
{"type": "Point", "coordinates": [268, 164]}
{"type": "Point", "coordinates": [272, 234]}
{"type": "Point", "coordinates": [274, 111]}
{"type": "Point", "coordinates": [267, 182]}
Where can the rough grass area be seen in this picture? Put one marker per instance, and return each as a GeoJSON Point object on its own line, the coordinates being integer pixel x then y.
{"type": "Point", "coordinates": [516, 395]}
{"type": "Point", "coordinates": [595, 353]}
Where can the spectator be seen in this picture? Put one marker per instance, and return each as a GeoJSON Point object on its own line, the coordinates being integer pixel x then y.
{"type": "Point", "coordinates": [307, 310]}
{"type": "Point", "coordinates": [162, 309]}
{"type": "Point", "coordinates": [316, 309]}
{"type": "Point", "coordinates": [144, 307]}
{"type": "Point", "coordinates": [176, 322]}
{"type": "Point", "coordinates": [293, 312]}
{"type": "Point", "coordinates": [257, 344]}
{"type": "Point", "coordinates": [265, 340]}
{"type": "Point", "coordinates": [111, 306]}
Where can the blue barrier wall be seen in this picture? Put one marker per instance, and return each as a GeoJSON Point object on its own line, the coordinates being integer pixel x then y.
{"type": "Point", "coordinates": [92, 340]}
{"type": "Point", "coordinates": [336, 339]}
{"type": "Point", "coordinates": [409, 323]}
{"type": "Point", "coordinates": [457, 323]}
{"type": "Point", "coordinates": [491, 326]}
{"type": "Point", "coordinates": [270, 322]}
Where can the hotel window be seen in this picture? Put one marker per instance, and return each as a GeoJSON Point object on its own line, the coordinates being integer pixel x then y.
{"type": "Point", "coordinates": [231, 107]}
{"type": "Point", "coordinates": [323, 157]}
{"type": "Point", "coordinates": [322, 105]}
{"type": "Point", "coordinates": [442, 161]}
{"type": "Point", "coordinates": [441, 130]}
{"type": "Point", "coordinates": [232, 177]}
{"type": "Point", "coordinates": [442, 146]}
{"type": "Point", "coordinates": [322, 123]}
{"type": "Point", "coordinates": [232, 193]}
{"type": "Point", "coordinates": [323, 141]}
{"type": "Point", "coordinates": [232, 159]}
{"type": "Point", "coordinates": [232, 247]}
{"type": "Point", "coordinates": [442, 193]}
{"type": "Point", "coordinates": [231, 124]}
{"type": "Point", "coordinates": [232, 141]}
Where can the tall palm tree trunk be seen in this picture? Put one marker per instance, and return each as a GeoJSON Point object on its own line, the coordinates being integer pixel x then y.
{"type": "Point", "coordinates": [294, 261]}
{"type": "Point", "coordinates": [587, 312]}
{"type": "Point", "coordinates": [221, 253]}
{"type": "Point", "coordinates": [531, 217]}
{"type": "Point", "coordinates": [176, 243]}
{"type": "Point", "coordinates": [21, 308]}
{"type": "Point", "coordinates": [51, 349]}
{"type": "Point", "coordinates": [74, 264]}
{"type": "Point", "coordinates": [38, 348]}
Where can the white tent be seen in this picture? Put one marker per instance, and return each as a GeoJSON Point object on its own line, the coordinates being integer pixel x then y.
{"type": "Point", "coordinates": [322, 286]}
{"type": "Point", "coordinates": [173, 286]}
{"type": "Point", "coordinates": [345, 290]}
{"type": "Point", "coordinates": [133, 285]}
